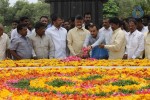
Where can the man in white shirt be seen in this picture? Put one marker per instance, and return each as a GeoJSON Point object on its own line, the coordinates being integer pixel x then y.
{"type": "Point", "coordinates": [87, 19]}
{"type": "Point", "coordinates": [105, 34]}
{"type": "Point", "coordinates": [143, 29]}
{"type": "Point", "coordinates": [4, 43]}
{"type": "Point", "coordinates": [23, 20]}
{"type": "Point", "coordinates": [43, 46]}
{"type": "Point", "coordinates": [58, 35]}
{"type": "Point", "coordinates": [13, 26]}
{"type": "Point", "coordinates": [140, 27]}
{"type": "Point", "coordinates": [44, 20]}
{"type": "Point", "coordinates": [135, 41]}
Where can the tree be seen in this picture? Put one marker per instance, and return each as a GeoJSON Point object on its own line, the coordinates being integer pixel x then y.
{"type": "Point", "coordinates": [4, 6]}
{"type": "Point", "coordinates": [33, 11]}
{"type": "Point", "coordinates": [40, 9]}
{"type": "Point", "coordinates": [110, 9]}
{"type": "Point", "coordinates": [126, 7]}
{"type": "Point", "coordinates": [41, 1]}
{"type": "Point", "coordinates": [22, 8]}
{"type": "Point", "coordinates": [145, 6]}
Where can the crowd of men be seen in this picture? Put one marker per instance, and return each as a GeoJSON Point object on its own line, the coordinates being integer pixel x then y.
{"type": "Point", "coordinates": [117, 39]}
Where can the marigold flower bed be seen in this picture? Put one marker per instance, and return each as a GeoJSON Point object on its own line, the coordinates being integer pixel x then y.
{"type": "Point", "coordinates": [75, 84]}
{"type": "Point", "coordinates": [72, 61]}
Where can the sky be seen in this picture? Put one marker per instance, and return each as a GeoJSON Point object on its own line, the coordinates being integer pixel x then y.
{"type": "Point", "coordinates": [12, 2]}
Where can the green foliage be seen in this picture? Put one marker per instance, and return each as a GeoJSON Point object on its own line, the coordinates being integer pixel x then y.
{"type": "Point", "coordinates": [126, 7]}
{"type": "Point", "coordinates": [110, 93]}
{"type": "Point", "coordinates": [59, 83]}
{"type": "Point", "coordinates": [124, 82]}
{"type": "Point", "coordinates": [25, 84]}
{"type": "Point", "coordinates": [67, 92]}
{"type": "Point", "coordinates": [4, 6]}
{"type": "Point", "coordinates": [32, 89]}
{"type": "Point", "coordinates": [41, 0]}
{"type": "Point", "coordinates": [22, 8]}
{"type": "Point", "coordinates": [104, 94]}
{"type": "Point", "coordinates": [145, 6]}
{"type": "Point", "coordinates": [91, 77]}
{"type": "Point", "coordinates": [1, 19]}
{"type": "Point", "coordinates": [110, 9]}
{"type": "Point", "coordinates": [147, 78]}
{"type": "Point", "coordinates": [125, 91]}
{"type": "Point", "coordinates": [54, 91]}
{"type": "Point", "coordinates": [101, 94]}
{"type": "Point", "coordinates": [146, 87]}
{"type": "Point", "coordinates": [22, 84]}
{"type": "Point", "coordinates": [33, 11]}
{"type": "Point", "coordinates": [39, 10]}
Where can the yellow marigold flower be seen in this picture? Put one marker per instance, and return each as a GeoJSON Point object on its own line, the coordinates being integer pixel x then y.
{"type": "Point", "coordinates": [38, 83]}
{"type": "Point", "coordinates": [27, 97]}
{"type": "Point", "coordinates": [5, 93]}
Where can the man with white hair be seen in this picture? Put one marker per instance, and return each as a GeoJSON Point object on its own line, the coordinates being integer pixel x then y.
{"type": "Point", "coordinates": [4, 43]}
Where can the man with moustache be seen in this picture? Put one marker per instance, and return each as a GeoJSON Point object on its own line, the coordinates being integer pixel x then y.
{"type": "Point", "coordinates": [118, 42]}
{"type": "Point", "coordinates": [20, 46]}
{"type": "Point", "coordinates": [96, 52]}
{"type": "Point", "coordinates": [105, 34]}
{"type": "Point", "coordinates": [58, 35]}
{"type": "Point", "coordinates": [135, 41]}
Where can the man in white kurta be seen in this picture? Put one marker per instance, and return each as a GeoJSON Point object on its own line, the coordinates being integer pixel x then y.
{"type": "Point", "coordinates": [23, 20]}
{"type": "Point", "coordinates": [59, 35]}
{"type": "Point", "coordinates": [147, 43]}
{"type": "Point", "coordinates": [135, 41]}
{"type": "Point", "coordinates": [105, 34]}
{"type": "Point", "coordinates": [140, 27]}
{"type": "Point", "coordinates": [76, 37]}
{"type": "Point", "coordinates": [117, 43]}
{"type": "Point", "coordinates": [4, 43]}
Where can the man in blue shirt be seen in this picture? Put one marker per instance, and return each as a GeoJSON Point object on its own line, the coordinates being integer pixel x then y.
{"type": "Point", "coordinates": [92, 37]}
{"type": "Point", "coordinates": [20, 46]}
{"type": "Point", "coordinates": [96, 52]}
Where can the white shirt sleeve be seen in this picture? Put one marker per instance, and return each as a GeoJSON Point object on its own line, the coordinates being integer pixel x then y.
{"type": "Point", "coordinates": [12, 34]}
{"type": "Point", "coordinates": [51, 48]}
{"type": "Point", "coordinates": [87, 40]}
{"type": "Point", "coordinates": [99, 41]}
